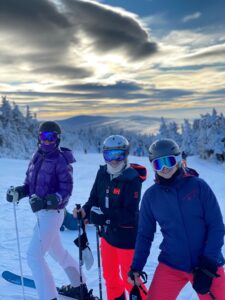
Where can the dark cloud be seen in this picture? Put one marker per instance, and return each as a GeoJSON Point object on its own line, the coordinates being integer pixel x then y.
{"type": "Point", "coordinates": [47, 37]}
{"type": "Point", "coordinates": [91, 92]}
{"type": "Point", "coordinates": [119, 86]}
{"type": "Point", "coordinates": [41, 24]}
{"type": "Point", "coordinates": [74, 97]}
{"type": "Point", "coordinates": [111, 30]}
{"type": "Point", "coordinates": [220, 92]}
{"type": "Point", "coordinates": [168, 94]}
{"type": "Point", "coordinates": [7, 59]}
{"type": "Point", "coordinates": [38, 14]}
{"type": "Point", "coordinates": [38, 33]}
{"type": "Point", "coordinates": [64, 71]}
{"type": "Point", "coordinates": [42, 94]}
{"type": "Point", "coordinates": [121, 90]}
{"type": "Point", "coordinates": [219, 65]}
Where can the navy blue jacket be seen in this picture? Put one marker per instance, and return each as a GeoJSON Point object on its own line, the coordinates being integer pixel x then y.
{"type": "Point", "coordinates": [190, 220]}
{"type": "Point", "coordinates": [122, 205]}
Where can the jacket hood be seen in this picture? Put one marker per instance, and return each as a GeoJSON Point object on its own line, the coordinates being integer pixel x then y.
{"type": "Point", "coordinates": [188, 172]}
{"type": "Point", "coordinates": [68, 155]}
{"type": "Point", "coordinates": [131, 172]}
{"type": "Point", "coordinates": [141, 170]}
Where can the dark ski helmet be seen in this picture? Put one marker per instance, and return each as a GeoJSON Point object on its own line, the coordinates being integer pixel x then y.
{"type": "Point", "coordinates": [163, 147]}
{"type": "Point", "coordinates": [50, 126]}
{"type": "Point", "coordinates": [116, 142]}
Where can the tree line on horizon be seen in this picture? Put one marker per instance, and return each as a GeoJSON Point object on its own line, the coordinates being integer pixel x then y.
{"type": "Point", "coordinates": [204, 136]}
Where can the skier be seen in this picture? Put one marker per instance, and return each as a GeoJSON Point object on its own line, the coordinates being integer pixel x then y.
{"type": "Point", "coordinates": [192, 226]}
{"type": "Point", "coordinates": [49, 184]}
{"type": "Point", "coordinates": [114, 205]}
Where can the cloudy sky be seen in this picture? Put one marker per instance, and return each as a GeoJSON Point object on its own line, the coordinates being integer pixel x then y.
{"type": "Point", "coordinates": [152, 57]}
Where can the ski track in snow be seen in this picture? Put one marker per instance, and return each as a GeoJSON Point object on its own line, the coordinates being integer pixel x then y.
{"type": "Point", "coordinates": [12, 172]}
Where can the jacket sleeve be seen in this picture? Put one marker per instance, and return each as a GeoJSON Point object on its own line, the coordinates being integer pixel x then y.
{"type": "Point", "coordinates": [214, 223]}
{"type": "Point", "coordinates": [26, 185]}
{"type": "Point", "coordinates": [93, 198]}
{"type": "Point", "coordinates": [145, 236]}
{"type": "Point", "coordinates": [127, 213]}
{"type": "Point", "coordinates": [28, 175]}
{"type": "Point", "coordinates": [26, 181]}
{"type": "Point", "coordinates": [64, 173]}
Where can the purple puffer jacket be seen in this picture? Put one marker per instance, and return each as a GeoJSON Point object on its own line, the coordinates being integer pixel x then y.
{"type": "Point", "coordinates": [51, 173]}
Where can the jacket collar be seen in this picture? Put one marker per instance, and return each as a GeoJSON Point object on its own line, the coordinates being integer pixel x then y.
{"type": "Point", "coordinates": [128, 174]}
{"type": "Point", "coordinates": [179, 174]}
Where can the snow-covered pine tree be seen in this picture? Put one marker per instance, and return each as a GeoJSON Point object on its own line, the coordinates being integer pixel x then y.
{"type": "Point", "coordinates": [18, 134]}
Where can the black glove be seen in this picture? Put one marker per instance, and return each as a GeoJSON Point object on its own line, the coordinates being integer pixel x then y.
{"type": "Point", "coordinates": [86, 254]}
{"type": "Point", "coordinates": [51, 201]}
{"type": "Point", "coordinates": [83, 241]}
{"type": "Point", "coordinates": [141, 274]}
{"type": "Point", "coordinates": [135, 293]}
{"type": "Point", "coordinates": [16, 193]}
{"type": "Point", "coordinates": [97, 217]}
{"type": "Point", "coordinates": [204, 275]}
{"type": "Point", "coordinates": [36, 203]}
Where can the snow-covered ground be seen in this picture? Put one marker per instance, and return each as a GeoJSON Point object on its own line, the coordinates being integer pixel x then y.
{"type": "Point", "coordinates": [12, 173]}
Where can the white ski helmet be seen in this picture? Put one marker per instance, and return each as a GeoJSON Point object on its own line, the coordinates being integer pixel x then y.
{"type": "Point", "coordinates": [114, 142]}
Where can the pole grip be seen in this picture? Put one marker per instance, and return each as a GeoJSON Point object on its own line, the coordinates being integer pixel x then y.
{"type": "Point", "coordinates": [79, 216]}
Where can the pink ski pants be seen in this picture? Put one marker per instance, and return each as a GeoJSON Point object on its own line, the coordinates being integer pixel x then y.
{"type": "Point", "coordinates": [168, 282]}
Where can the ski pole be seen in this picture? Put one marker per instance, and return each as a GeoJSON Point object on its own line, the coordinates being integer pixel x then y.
{"type": "Point", "coordinates": [143, 290]}
{"type": "Point", "coordinates": [15, 201]}
{"type": "Point", "coordinates": [212, 296]}
{"type": "Point", "coordinates": [79, 223]}
{"type": "Point", "coordinates": [99, 263]}
{"type": "Point", "coordinates": [143, 275]}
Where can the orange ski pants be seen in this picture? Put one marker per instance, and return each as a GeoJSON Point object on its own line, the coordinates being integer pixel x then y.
{"type": "Point", "coordinates": [116, 264]}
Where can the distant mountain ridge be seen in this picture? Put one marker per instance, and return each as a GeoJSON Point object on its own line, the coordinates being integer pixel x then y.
{"type": "Point", "coordinates": [204, 136]}
{"type": "Point", "coordinates": [136, 123]}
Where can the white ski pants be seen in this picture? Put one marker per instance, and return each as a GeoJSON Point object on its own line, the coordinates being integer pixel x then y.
{"type": "Point", "coordinates": [46, 238]}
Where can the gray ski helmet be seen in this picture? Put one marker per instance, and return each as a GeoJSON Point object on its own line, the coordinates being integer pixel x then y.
{"type": "Point", "coordinates": [163, 147]}
{"type": "Point", "coordinates": [50, 126]}
{"type": "Point", "coordinates": [116, 142]}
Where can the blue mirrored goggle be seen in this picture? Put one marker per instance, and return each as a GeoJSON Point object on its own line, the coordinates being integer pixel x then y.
{"type": "Point", "coordinates": [50, 136]}
{"type": "Point", "coordinates": [114, 154]}
{"type": "Point", "coordinates": [165, 162]}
